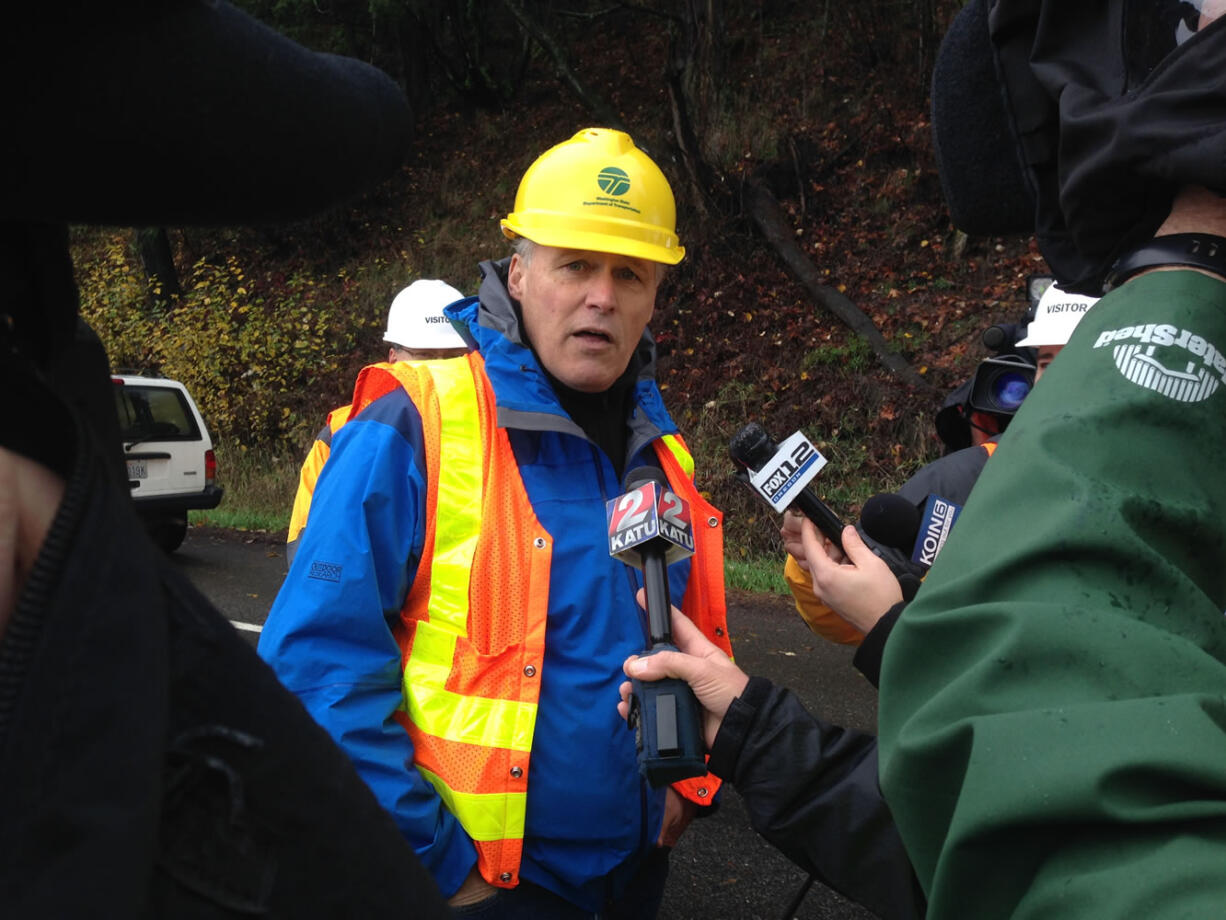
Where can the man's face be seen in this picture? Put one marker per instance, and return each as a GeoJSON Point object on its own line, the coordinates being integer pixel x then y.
{"type": "Point", "coordinates": [584, 311]}
{"type": "Point", "coordinates": [1046, 354]}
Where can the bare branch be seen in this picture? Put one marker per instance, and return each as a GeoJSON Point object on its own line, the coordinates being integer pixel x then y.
{"type": "Point", "coordinates": [771, 220]}
{"type": "Point", "coordinates": [600, 109]}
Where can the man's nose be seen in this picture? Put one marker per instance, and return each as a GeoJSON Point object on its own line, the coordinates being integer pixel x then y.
{"type": "Point", "coordinates": [602, 290]}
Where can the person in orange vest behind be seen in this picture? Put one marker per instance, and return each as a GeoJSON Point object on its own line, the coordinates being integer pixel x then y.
{"type": "Point", "coordinates": [855, 599]}
{"type": "Point", "coordinates": [417, 330]}
{"type": "Point", "coordinates": [453, 617]}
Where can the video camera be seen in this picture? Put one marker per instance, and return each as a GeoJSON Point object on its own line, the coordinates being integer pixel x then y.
{"type": "Point", "coordinates": [1000, 383]}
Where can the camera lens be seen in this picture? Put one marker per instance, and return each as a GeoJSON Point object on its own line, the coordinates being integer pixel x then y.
{"type": "Point", "coordinates": [1009, 389]}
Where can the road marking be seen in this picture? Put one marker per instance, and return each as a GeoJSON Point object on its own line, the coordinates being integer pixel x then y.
{"type": "Point", "coordinates": [250, 627]}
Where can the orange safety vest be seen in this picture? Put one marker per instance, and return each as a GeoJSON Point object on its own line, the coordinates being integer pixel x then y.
{"type": "Point", "coordinates": [321, 449]}
{"type": "Point", "coordinates": [472, 628]}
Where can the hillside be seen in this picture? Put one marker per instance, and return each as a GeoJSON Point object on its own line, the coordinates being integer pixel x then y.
{"type": "Point", "coordinates": [838, 132]}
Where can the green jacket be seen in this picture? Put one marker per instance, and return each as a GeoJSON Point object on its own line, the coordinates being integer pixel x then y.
{"type": "Point", "coordinates": [1053, 703]}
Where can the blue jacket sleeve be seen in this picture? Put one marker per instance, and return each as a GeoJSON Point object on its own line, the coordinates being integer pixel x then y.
{"type": "Point", "coordinates": [327, 636]}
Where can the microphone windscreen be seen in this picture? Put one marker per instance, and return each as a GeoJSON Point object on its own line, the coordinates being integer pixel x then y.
{"type": "Point", "coordinates": [891, 520]}
{"type": "Point", "coordinates": [751, 446]}
{"type": "Point", "coordinates": [641, 475]}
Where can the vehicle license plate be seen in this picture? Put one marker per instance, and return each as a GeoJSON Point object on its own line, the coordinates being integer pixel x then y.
{"type": "Point", "coordinates": [137, 469]}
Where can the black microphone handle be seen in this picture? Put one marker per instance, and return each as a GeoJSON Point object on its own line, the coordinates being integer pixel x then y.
{"type": "Point", "coordinates": [659, 605]}
{"type": "Point", "coordinates": [822, 517]}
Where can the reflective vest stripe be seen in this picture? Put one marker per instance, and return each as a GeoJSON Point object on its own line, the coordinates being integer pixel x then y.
{"type": "Point", "coordinates": [466, 719]}
{"type": "Point", "coordinates": [459, 489]}
{"type": "Point", "coordinates": [486, 816]}
{"type": "Point", "coordinates": [676, 447]}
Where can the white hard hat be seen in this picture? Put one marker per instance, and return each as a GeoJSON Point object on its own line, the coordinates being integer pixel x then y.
{"type": "Point", "coordinates": [1055, 318]}
{"type": "Point", "coordinates": [416, 318]}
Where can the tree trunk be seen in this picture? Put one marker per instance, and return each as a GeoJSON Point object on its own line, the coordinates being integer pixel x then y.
{"type": "Point", "coordinates": [772, 221]}
{"type": "Point", "coordinates": [153, 246]}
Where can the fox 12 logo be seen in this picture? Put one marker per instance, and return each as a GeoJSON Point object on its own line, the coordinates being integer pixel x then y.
{"type": "Point", "coordinates": [649, 512]}
{"type": "Point", "coordinates": [782, 478]}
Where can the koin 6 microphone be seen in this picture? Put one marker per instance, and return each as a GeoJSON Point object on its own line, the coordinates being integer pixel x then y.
{"type": "Point", "coordinates": [649, 527]}
{"type": "Point", "coordinates": [780, 475]}
{"type": "Point", "coordinates": [890, 519]}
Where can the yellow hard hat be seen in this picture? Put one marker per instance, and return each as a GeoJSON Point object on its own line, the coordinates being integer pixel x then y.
{"type": "Point", "coordinates": [597, 191]}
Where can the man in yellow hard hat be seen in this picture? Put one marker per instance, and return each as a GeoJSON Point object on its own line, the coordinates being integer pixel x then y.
{"type": "Point", "coordinates": [453, 616]}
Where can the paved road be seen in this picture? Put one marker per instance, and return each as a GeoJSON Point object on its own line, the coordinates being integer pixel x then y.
{"type": "Point", "coordinates": [721, 869]}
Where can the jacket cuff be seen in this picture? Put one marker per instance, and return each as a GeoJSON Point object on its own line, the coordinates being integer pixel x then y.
{"type": "Point", "coordinates": [867, 659]}
{"type": "Point", "coordinates": [730, 738]}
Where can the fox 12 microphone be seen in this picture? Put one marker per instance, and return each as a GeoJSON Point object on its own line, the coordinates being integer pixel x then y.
{"type": "Point", "coordinates": [780, 474]}
{"type": "Point", "coordinates": [649, 527]}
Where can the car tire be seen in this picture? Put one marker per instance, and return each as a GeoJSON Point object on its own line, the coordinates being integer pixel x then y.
{"type": "Point", "coordinates": [169, 533]}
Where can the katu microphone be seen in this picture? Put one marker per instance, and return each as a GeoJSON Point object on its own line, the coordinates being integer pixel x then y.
{"type": "Point", "coordinates": [649, 527]}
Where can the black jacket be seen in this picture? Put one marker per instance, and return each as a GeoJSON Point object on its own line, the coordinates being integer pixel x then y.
{"type": "Point", "coordinates": [150, 764]}
{"type": "Point", "coordinates": [811, 790]}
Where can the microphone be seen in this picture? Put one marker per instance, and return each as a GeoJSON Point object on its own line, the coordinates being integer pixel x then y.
{"type": "Point", "coordinates": [893, 521]}
{"type": "Point", "coordinates": [780, 474]}
{"type": "Point", "coordinates": [649, 527]}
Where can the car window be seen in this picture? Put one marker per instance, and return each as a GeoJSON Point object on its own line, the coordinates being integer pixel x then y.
{"type": "Point", "coordinates": [154, 413]}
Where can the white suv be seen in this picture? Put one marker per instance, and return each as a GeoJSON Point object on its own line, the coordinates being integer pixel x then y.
{"type": "Point", "coordinates": [171, 465]}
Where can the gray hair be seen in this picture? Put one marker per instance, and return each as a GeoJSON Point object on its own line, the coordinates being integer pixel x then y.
{"type": "Point", "coordinates": [524, 247]}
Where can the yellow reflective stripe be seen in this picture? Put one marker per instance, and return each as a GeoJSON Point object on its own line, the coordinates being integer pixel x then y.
{"type": "Point", "coordinates": [431, 658]}
{"type": "Point", "coordinates": [460, 488]}
{"type": "Point", "coordinates": [673, 443]}
{"type": "Point", "coordinates": [478, 720]}
{"type": "Point", "coordinates": [433, 709]}
{"type": "Point", "coordinates": [485, 816]}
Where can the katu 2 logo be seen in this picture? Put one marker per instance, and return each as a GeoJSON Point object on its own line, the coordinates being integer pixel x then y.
{"type": "Point", "coordinates": [613, 181]}
{"type": "Point", "coordinates": [1143, 354]}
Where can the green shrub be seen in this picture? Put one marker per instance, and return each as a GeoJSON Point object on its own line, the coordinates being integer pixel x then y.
{"type": "Point", "coordinates": [264, 357]}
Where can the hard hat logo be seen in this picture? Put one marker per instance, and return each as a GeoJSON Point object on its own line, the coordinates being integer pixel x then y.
{"type": "Point", "coordinates": [613, 181]}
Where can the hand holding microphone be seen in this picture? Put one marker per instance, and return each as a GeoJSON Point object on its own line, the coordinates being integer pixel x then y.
{"type": "Point", "coordinates": [861, 589]}
{"type": "Point", "coordinates": [649, 527]}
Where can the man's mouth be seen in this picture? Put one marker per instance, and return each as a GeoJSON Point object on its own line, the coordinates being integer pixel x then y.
{"type": "Point", "coordinates": [593, 335]}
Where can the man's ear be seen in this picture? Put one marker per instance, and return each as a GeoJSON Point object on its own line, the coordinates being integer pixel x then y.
{"type": "Point", "coordinates": [515, 277]}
